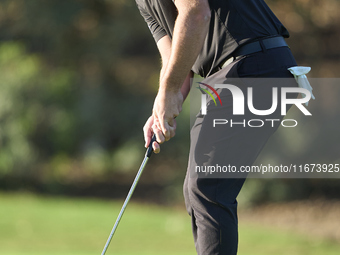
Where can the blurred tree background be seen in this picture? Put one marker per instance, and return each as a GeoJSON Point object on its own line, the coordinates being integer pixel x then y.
{"type": "Point", "coordinates": [77, 82]}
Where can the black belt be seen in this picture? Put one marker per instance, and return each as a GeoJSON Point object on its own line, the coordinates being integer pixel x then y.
{"type": "Point", "coordinates": [257, 46]}
{"type": "Point", "coordinates": [269, 43]}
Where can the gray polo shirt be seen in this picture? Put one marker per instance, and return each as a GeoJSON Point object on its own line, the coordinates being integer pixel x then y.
{"type": "Point", "coordinates": [233, 23]}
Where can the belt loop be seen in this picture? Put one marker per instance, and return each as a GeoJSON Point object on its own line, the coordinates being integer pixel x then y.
{"type": "Point", "coordinates": [262, 46]}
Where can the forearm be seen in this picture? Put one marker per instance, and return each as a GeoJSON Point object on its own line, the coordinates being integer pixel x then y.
{"type": "Point", "coordinates": [185, 88]}
{"type": "Point", "coordinates": [188, 37]}
{"type": "Point", "coordinates": [164, 46]}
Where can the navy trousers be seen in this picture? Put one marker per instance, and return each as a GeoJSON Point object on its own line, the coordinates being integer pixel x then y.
{"type": "Point", "coordinates": [211, 202]}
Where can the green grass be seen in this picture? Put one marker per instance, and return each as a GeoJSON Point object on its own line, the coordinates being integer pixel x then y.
{"type": "Point", "coordinates": [38, 225]}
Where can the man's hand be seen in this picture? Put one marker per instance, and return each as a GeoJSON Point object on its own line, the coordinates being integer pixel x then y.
{"type": "Point", "coordinates": [148, 131]}
{"type": "Point", "coordinates": [152, 127]}
{"type": "Point", "coordinates": [167, 106]}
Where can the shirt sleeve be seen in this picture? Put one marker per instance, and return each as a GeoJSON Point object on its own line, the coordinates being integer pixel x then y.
{"type": "Point", "coordinates": [156, 29]}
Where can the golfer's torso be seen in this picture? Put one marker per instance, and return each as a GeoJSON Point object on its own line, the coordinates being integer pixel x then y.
{"type": "Point", "coordinates": [233, 23]}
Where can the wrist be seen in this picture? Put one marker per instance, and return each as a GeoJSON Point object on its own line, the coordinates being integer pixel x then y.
{"type": "Point", "coordinates": [169, 88]}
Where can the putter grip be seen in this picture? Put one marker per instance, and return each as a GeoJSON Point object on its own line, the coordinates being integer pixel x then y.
{"type": "Point", "coordinates": [149, 149]}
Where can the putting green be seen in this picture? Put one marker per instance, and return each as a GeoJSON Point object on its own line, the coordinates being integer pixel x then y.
{"type": "Point", "coordinates": [31, 224]}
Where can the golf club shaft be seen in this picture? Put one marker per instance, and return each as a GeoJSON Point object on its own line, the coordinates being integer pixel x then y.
{"type": "Point", "coordinates": [133, 186]}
